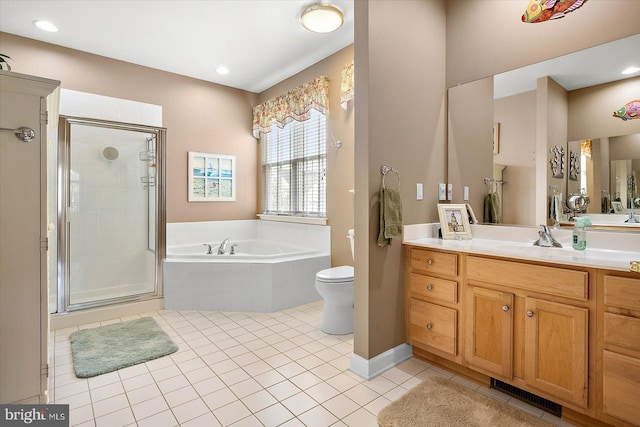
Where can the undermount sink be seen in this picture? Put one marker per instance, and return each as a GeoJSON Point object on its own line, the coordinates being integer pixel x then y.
{"type": "Point", "coordinates": [529, 249]}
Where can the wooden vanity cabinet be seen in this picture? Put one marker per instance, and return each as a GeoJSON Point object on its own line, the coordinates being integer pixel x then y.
{"type": "Point", "coordinates": [525, 323]}
{"type": "Point", "coordinates": [518, 334]}
{"type": "Point", "coordinates": [432, 313]}
{"type": "Point", "coordinates": [620, 361]}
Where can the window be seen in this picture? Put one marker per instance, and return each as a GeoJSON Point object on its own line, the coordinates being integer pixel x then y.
{"type": "Point", "coordinates": [293, 167]}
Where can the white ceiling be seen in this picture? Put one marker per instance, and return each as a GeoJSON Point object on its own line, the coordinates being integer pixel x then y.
{"type": "Point", "coordinates": [260, 41]}
{"type": "Point", "coordinates": [584, 68]}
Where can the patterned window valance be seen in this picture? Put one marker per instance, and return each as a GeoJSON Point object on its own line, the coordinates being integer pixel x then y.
{"type": "Point", "coordinates": [347, 86]}
{"type": "Point", "coordinates": [293, 105]}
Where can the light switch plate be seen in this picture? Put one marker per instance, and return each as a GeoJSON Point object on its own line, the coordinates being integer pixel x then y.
{"type": "Point", "coordinates": [442, 191]}
{"type": "Point", "coordinates": [466, 194]}
{"type": "Point", "coordinates": [450, 192]}
{"type": "Point", "coordinates": [419, 192]}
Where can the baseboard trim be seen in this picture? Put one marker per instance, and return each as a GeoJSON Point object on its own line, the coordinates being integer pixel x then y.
{"type": "Point", "coordinates": [371, 368]}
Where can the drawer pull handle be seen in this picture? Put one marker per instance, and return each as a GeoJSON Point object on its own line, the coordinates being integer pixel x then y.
{"type": "Point", "coordinates": [430, 261]}
{"type": "Point", "coordinates": [429, 326]}
{"type": "Point", "coordinates": [529, 313]}
{"type": "Point", "coordinates": [505, 308]}
{"type": "Point", "coordinates": [429, 287]}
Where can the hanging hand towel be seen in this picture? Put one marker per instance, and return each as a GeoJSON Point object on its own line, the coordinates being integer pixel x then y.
{"type": "Point", "coordinates": [492, 208]}
{"type": "Point", "coordinates": [555, 207]}
{"type": "Point", "coordinates": [390, 216]}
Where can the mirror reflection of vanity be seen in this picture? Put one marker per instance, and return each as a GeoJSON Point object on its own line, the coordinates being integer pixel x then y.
{"type": "Point", "coordinates": [546, 130]}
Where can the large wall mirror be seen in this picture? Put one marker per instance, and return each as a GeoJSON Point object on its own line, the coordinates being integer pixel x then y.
{"type": "Point", "coordinates": [523, 142]}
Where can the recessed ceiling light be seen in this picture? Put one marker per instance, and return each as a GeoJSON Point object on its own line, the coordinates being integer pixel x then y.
{"type": "Point", "coordinates": [322, 18]}
{"type": "Point", "coordinates": [222, 70]}
{"type": "Point", "coordinates": [46, 26]}
{"type": "Point", "coordinates": [631, 70]}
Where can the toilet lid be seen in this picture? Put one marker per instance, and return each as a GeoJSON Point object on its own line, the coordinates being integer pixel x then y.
{"type": "Point", "coordinates": [336, 274]}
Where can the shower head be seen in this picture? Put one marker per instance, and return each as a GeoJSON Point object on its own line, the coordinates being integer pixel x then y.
{"type": "Point", "coordinates": [110, 153]}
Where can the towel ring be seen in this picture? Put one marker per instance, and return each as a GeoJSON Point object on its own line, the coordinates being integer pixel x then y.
{"type": "Point", "coordinates": [386, 169]}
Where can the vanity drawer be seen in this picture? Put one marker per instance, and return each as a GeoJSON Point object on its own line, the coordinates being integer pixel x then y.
{"type": "Point", "coordinates": [549, 280]}
{"type": "Point", "coordinates": [622, 330]}
{"type": "Point", "coordinates": [433, 326]}
{"type": "Point", "coordinates": [432, 288]}
{"type": "Point", "coordinates": [621, 387]}
{"type": "Point", "coordinates": [622, 292]}
{"type": "Point", "coordinates": [434, 262]}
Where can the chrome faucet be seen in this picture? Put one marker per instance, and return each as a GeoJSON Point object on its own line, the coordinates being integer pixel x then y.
{"type": "Point", "coordinates": [546, 239]}
{"type": "Point", "coordinates": [222, 249]}
{"type": "Point", "coordinates": [632, 218]}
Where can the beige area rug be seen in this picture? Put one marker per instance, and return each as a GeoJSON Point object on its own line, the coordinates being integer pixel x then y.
{"type": "Point", "coordinates": [438, 402]}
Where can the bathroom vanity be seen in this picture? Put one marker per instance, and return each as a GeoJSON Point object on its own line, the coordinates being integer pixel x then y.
{"type": "Point", "coordinates": [558, 323]}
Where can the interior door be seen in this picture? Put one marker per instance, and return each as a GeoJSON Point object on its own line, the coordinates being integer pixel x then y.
{"type": "Point", "coordinates": [23, 240]}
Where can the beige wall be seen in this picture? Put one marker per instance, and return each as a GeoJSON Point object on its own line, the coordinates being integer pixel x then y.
{"type": "Point", "coordinates": [551, 131]}
{"type": "Point", "coordinates": [486, 37]}
{"type": "Point", "coordinates": [517, 117]}
{"type": "Point", "coordinates": [624, 147]}
{"type": "Point", "coordinates": [470, 138]}
{"type": "Point", "coordinates": [340, 161]}
{"type": "Point", "coordinates": [400, 120]}
{"type": "Point", "coordinates": [199, 116]}
{"type": "Point", "coordinates": [203, 116]}
{"type": "Point", "coordinates": [591, 110]}
{"type": "Point", "coordinates": [399, 56]}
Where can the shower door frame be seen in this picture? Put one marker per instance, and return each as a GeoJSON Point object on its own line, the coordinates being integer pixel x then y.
{"type": "Point", "coordinates": [64, 163]}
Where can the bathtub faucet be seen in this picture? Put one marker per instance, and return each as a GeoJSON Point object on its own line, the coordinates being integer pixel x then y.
{"type": "Point", "coordinates": [222, 249]}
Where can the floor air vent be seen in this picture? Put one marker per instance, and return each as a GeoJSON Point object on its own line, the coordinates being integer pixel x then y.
{"type": "Point", "coordinates": [525, 396]}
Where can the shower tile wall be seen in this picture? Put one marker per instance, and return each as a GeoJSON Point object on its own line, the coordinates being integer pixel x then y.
{"type": "Point", "coordinates": [108, 211]}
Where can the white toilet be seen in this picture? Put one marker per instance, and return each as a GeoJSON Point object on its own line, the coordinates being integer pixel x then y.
{"type": "Point", "coordinates": [335, 285]}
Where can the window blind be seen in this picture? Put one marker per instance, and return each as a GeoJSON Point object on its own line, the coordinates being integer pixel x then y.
{"type": "Point", "coordinates": [293, 167]}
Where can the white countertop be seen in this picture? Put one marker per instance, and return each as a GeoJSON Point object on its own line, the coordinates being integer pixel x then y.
{"type": "Point", "coordinates": [613, 251]}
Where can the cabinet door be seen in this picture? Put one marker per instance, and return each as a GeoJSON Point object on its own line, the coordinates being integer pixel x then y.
{"type": "Point", "coordinates": [621, 392]}
{"type": "Point", "coordinates": [489, 331]}
{"type": "Point", "coordinates": [556, 349]}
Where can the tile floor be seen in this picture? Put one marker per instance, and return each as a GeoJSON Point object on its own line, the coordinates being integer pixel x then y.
{"type": "Point", "coordinates": [241, 369]}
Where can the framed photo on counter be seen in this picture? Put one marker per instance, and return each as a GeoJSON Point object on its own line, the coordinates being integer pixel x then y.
{"type": "Point", "coordinates": [454, 220]}
{"type": "Point", "coordinates": [617, 207]}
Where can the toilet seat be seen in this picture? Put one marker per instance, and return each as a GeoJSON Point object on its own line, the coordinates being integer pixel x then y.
{"type": "Point", "coordinates": [343, 273]}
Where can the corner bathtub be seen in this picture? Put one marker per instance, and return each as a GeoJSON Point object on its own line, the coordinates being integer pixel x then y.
{"type": "Point", "coordinates": [262, 276]}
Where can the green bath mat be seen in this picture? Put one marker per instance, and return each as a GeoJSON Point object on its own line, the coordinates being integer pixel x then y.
{"type": "Point", "coordinates": [109, 348]}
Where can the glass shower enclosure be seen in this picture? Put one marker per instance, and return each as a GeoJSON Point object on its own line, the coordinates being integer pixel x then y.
{"type": "Point", "coordinates": [111, 224]}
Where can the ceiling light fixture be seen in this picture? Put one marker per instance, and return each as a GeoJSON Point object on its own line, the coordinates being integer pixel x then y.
{"type": "Point", "coordinates": [46, 26]}
{"type": "Point", "coordinates": [322, 18]}
{"type": "Point", "coordinates": [222, 70]}
{"type": "Point", "coordinates": [630, 70]}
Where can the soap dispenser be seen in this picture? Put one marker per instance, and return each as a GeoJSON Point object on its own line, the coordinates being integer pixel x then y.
{"type": "Point", "coordinates": [579, 235]}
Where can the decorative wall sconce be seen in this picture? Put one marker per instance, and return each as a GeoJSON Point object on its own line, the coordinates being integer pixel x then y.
{"type": "Point", "coordinates": [557, 162]}
{"type": "Point", "coordinates": [574, 166]}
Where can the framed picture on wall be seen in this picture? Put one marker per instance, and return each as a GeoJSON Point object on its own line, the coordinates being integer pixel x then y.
{"type": "Point", "coordinates": [496, 138]}
{"type": "Point", "coordinates": [212, 177]}
{"type": "Point", "coordinates": [454, 220]}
